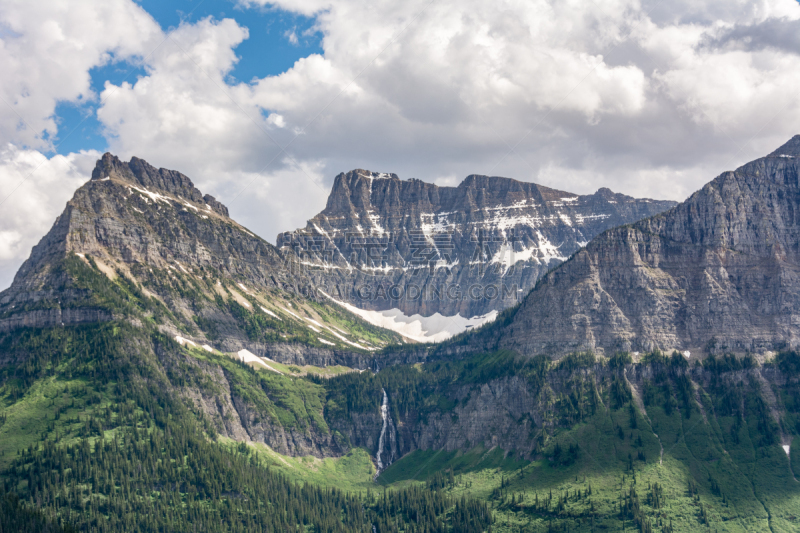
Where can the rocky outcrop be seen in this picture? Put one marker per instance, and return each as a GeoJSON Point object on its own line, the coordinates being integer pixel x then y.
{"type": "Point", "coordinates": [48, 318]}
{"type": "Point", "coordinates": [384, 243]}
{"type": "Point", "coordinates": [140, 172]}
{"type": "Point", "coordinates": [145, 222]}
{"type": "Point", "coordinates": [719, 272]}
{"type": "Point", "coordinates": [519, 415]}
{"type": "Point", "coordinates": [238, 418]}
{"type": "Point", "coordinates": [298, 354]}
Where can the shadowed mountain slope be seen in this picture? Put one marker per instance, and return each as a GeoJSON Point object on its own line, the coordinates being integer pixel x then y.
{"type": "Point", "coordinates": [384, 243]}
{"type": "Point", "coordinates": [719, 272]}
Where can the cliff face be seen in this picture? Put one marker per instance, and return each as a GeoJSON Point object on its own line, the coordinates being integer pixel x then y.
{"type": "Point", "coordinates": [520, 409]}
{"type": "Point", "coordinates": [384, 243]}
{"type": "Point", "coordinates": [719, 272]}
{"type": "Point", "coordinates": [193, 269]}
{"type": "Point", "coordinates": [135, 218]}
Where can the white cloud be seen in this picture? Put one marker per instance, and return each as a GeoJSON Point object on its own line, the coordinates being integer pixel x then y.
{"type": "Point", "coordinates": [291, 36]}
{"type": "Point", "coordinates": [34, 191]}
{"type": "Point", "coordinates": [47, 50]}
{"type": "Point", "coordinates": [618, 93]}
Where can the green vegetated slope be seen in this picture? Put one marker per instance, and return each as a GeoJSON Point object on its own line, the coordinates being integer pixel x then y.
{"type": "Point", "coordinates": [116, 427]}
{"type": "Point", "coordinates": [660, 445]}
{"type": "Point", "coordinates": [205, 303]}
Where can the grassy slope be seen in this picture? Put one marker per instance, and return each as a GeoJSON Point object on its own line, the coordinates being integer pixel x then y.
{"type": "Point", "coordinates": [480, 473]}
{"type": "Point", "coordinates": [351, 472]}
{"type": "Point", "coordinates": [712, 476]}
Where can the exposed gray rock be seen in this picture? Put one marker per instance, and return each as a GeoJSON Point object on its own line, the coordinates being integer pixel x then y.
{"type": "Point", "coordinates": [140, 218]}
{"type": "Point", "coordinates": [48, 318]}
{"type": "Point", "coordinates": [719, 272]}
{"type": "Point", "coordinates": [384, 243]}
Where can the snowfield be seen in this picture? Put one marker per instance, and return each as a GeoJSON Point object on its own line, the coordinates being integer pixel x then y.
{"type": "Point", "coordinates": [434, 328]}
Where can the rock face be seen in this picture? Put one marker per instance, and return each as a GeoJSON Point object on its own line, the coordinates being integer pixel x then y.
{"type": "Point", "coordinates": [517, 413]}
{"type": "Point", "coordinates": [137, 218]}
{"type": "Point", "coordinates": [384, 243]}
{"type": "Point", "coordinates": [719, 272]}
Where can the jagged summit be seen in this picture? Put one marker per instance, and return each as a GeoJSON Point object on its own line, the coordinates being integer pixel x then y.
{"type": "Point", "coordinates": [790, 149]}
{"type": "Point", "coordinates": [717, 273]}
{"type": "Point", "coordinates": [490, 232]}
{"type": "Point", "coordinates": [138, 171]}
{"type": "Point", "coordinates": [147, 223]}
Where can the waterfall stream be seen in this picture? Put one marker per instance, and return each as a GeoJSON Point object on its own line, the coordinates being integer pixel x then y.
{"type": "Point", "coordinates": [387, 427]}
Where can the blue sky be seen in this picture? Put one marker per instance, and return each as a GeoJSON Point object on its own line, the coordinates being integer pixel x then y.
{"type": "Point", "coordinates": [266, 52]}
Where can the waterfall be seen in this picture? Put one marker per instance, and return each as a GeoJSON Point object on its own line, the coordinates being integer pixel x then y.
{"type": "Point", "coordinates": [387, 427]}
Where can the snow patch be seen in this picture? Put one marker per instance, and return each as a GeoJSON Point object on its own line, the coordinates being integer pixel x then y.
{"type": "Point", "coordinates": [687, 354]}
{"type": "Point", "coordinates": [153, 195]}
{"type": "Point", "coordinates": [270, 313]}
{"type": "Point", "coordinates": [323, 341]}
{"type": "Point", "coordinates": [434, 328]}
{"type": "Point", "coordinates": [786, 448]}
{"type": "Point", "coordinates": [338, 336]}
{"type": "Point", "coordinates": [315, 322]}
{"type": "Point", "coordinates": [207, 348]}
{"type": "Point", "coordinates": [246, 356]}
{"type": "Point", "coordinates": [294, 315]}
{"type": "Point", "coordinates": [506, 256]}
{"type": "Point", "coordinates": [184, 342]}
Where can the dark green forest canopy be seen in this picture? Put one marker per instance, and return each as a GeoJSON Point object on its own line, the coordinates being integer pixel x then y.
{"type": "Point", "coordinates": [119, 451]}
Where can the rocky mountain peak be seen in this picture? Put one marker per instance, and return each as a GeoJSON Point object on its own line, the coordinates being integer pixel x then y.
{"type": "Point", "coordinates": [719, 272]}
{"type": "Point", "coordinates": [150, 224]}
{"type": "Point", "coordinates": [489, 232]}
{"type": "Point", "coordinates": [790, 149]}
{"type": "Point", "coordinates": [139, 172]}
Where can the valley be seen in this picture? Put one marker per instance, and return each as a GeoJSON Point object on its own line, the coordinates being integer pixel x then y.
{"type": "Point", "coordinates": [162, 368]}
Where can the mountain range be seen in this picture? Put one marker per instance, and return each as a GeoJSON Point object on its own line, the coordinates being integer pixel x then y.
{"type": "Point", "coordinates": [719, 273]}
{"type": "Point", "coordinates": [384, 243]}
{"type": "Point", "coordinates": [162, 368]}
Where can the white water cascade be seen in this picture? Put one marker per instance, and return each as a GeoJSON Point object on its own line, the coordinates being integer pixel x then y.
{"type": "Point", "coordinates": [386, 428]}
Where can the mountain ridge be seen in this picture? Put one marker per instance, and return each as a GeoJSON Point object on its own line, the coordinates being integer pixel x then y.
{"type": "Point", "coordinates": [166, 416]}
{"type": "Point", "coordinates": [719, 272]}
{"type": "Point", "coordinates": [204, 276]}
{"type": "Point", "coordinates": [493, 235]}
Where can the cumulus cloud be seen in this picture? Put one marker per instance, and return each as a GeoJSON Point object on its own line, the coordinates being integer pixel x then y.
{"type": "Point", "coordinates": [34, 191]}
{"type": "Point", "coordinates": [644, 97]}
{"type": "Point", "coordinates": [47, 50]}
